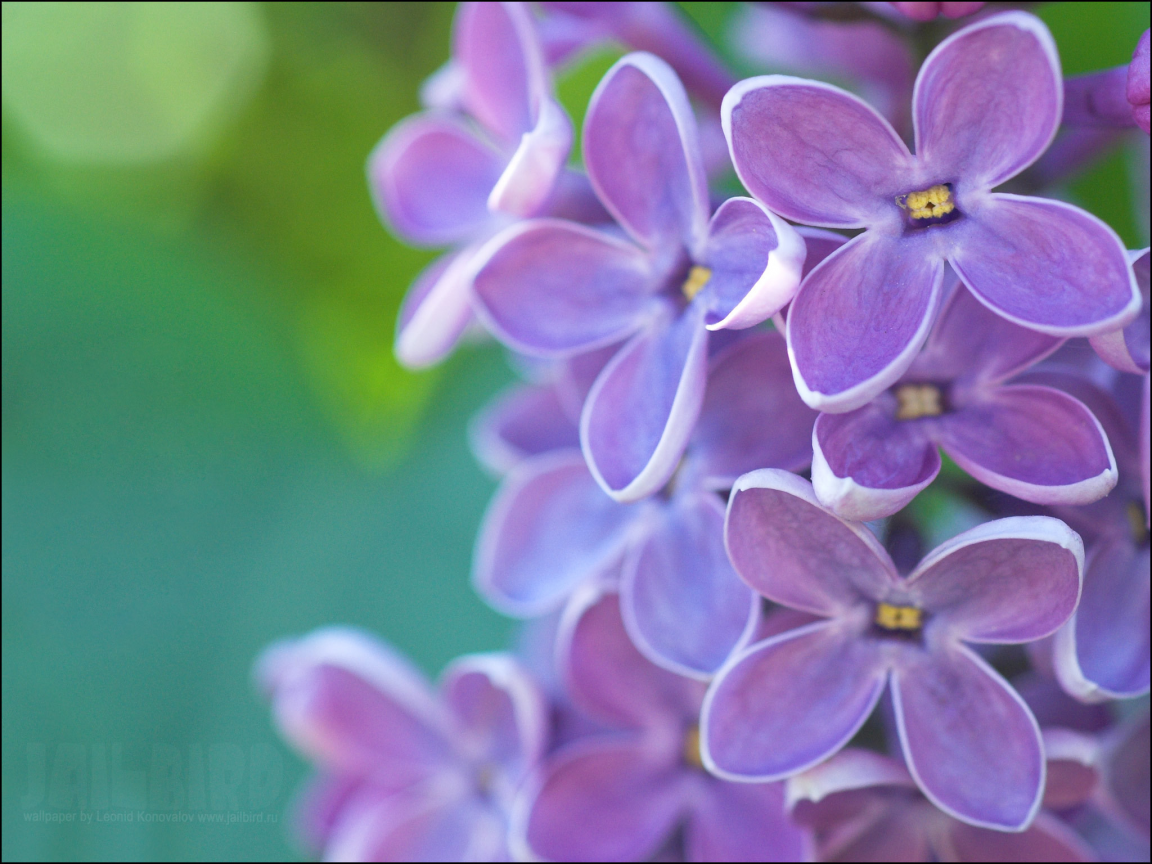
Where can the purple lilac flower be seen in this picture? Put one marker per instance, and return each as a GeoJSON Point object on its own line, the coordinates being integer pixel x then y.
{"type": "Point", "coordinates": [411, 775]}
{"type": "Point", "coordinates": [620, 796]}
{"type": "Point", "coordinates": [448, 177]}
{"type": "Point", "coordinates": [1103, 650]}
{"type": "Point", "coordinates": [556, 288]}
{"type": "Point", "coordinates": [987, 102]}
{"type": "Point", "coordinates": [791, 701]}
{"type": "Point", "coordinates": [1031, 441]}
{"type": "Point", "coordinates": [550, 527]}
{"type": "Point", "coordinates": [865, 807]}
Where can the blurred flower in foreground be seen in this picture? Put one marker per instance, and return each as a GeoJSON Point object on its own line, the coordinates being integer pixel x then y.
{"type": "Point", "coordinates": [408, 774]}
{"type": "Point", "coordinates": [454, 177]}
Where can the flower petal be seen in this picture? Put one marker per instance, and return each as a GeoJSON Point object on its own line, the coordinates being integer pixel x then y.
{"type": "Point", "coordinates": [419, 824]}
{"type": "Point", "coordinates": [354, 706]}
{"type": "Point", "coordinates": [641, 410]}
{"type": "Point", "coordinates": [605, 674]}
{"type": "Point", "coordinates": [430, 177]}
{"type": "Point", "coordinates": [789, 702]}
{"type": "Point", "coordinates": [1048, 839]}
{"type": "Point", "coordinates": [436, 311]}
{"type": "Point", "coordinates": [683, 604]}
{"type": "Point", "coordinates": [1044, 265]}
{"type": "Point", "coordinates": [814, 153]}
{"type": "Point", "coordinates": [501, 714]}
{"type": "Point", "coordinates": [505, 76]}
{"type": "Point", "coordinates": [859, 319]}
{"type": "Point", "coordinates": [743, 822]}
{"type": "Point", "coordinates": [988, 101]}
{"type": "Point", "coordinates": [548, 528]}
{"type": "Point", "coordinates": [752, 415]}
{"type": "Point", "coordinates": [972, 343]}
{"type": "Point", "coordinates": [968, 739]}
{"type": "Point", "coordinates": [1011, 580]}
{"type": "Point", "coordinates": [1033, 442]}
{"type": "Point", "coordinates": [551, 287]}
{"type": "Point", "coordinates": [600, 800]}
{"type": "Point", "coordinates": [527, 181]}
{"type": "Point", "coordinates": [642, 152]}
{"type": "Point", "coordinates": [867, 465]}
{"type": "Point", "coordinates": [755, 258]}
{"type": "Point", "coordinates": [1127, 349]}
{"type": "Point", "coordinates": [524, 421]}
{"type": "Point", "coordinates": [794, 552]}
{"type": "Point", "coordinates": [1103, 651]}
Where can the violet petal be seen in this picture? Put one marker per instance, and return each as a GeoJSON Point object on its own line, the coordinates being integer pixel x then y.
{"type": "Point", "coordinates": [814, 153]}
{"type": "Point", "coordinates": [789, 702]}
{"type": "Point", "coordinates": [684, 606]}
{"type": "Point", "coordinates": [860, 318]}
{"type": "Point", "coordinates": [968, 738]}
{"type": "Point", "coordinates": [641, 411]}
{"type": "Point", "coordinates": [794, 552]}
{"type": "Point", "coordinates": [1033, 442]}
{"type": "Point", "coordinates": [988, 101]}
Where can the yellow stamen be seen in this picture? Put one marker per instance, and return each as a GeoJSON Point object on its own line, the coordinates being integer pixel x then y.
{"type": "Point", "coordinates": [918, 400]}
{"type": "Point", "coordinates": [1137, 523]}
{"type": "Point", "coordinates": [697, 278]}
{"type": "Point", "coordinates": [897, 617]}
{"type": "Point", "coordinates": [692, 748]}
{"type": "Point", "coordinates": [931, 203]}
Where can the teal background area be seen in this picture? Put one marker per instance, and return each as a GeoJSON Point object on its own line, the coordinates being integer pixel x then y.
{"type": "Point", "coordinates": [207, 445]}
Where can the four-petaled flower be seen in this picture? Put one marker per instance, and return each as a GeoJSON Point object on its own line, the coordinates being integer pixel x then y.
{"type": "Point", "coordinates": [789, 702]}
{"type": "Point", "coordinates": [557, 288]}
{"type": "Point", "coordinates": [987, 102]}
{"type": "Point", "coordinates": [420, 776]}
{"type": "Point", "coordinates": [1029, 440]}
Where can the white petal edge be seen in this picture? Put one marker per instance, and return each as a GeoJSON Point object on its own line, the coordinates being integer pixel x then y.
{"type": "Point", "coordinates": [778, 283]}
{"type": "Point", "coordinates": [848, 499]}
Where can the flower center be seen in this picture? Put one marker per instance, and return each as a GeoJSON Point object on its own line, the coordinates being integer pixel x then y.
{"type": "Point", "coordinates": [918, 400]}
{"type": "Point", "coordinates": [891, 617]}
{"type": "Point", "coordinates": [697, 278]}
{"type": "Point", "coordinates": [692, 748]}
{"type": "Point", "coordinates": [932, 206]}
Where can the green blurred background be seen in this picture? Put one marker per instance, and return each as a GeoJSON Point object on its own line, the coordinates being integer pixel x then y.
{"type": "Point", "coordinates": [206, 442]}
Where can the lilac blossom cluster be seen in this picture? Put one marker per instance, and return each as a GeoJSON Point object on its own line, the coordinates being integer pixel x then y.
{"type": "Point", "coordinates": [736, 647]}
